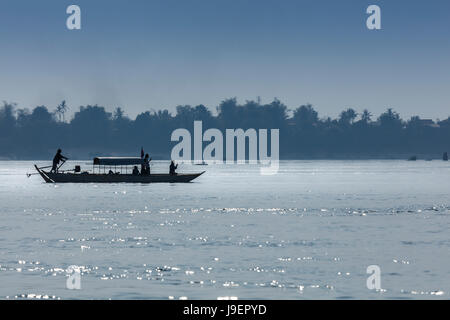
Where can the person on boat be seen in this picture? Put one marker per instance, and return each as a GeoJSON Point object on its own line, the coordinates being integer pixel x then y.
{"type": "Point", "coordinates": [135, 171]}
{"type": "Point", "coordinates": [57, 159]}
{"type": "Point", "coordinates": [172, 168]}
{"type": "Point", "coordinates": [145, 167]}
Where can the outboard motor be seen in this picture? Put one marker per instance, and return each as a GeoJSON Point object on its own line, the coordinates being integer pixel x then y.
{"type": "Point", "coordinates": [77, 169]}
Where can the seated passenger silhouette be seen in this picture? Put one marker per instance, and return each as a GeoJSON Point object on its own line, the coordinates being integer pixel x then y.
{"type": "Point", "coordinates": [172, 168]}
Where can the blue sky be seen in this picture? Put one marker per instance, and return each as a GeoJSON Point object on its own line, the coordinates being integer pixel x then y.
{"type": "Point", "coordinates": [144, 54]}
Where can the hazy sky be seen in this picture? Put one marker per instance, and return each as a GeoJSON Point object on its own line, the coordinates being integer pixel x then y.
{"type": "Point", "coordinates": [144, 54]}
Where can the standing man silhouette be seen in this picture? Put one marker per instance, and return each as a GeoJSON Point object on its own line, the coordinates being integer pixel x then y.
{"type": "Point", "coordinates": [145, 167]}
{"type": "Point", "coordinates": [57, 159]}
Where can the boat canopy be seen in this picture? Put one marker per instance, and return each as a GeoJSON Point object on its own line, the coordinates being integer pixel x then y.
{"type": "Point", "coordinates": [118, 161]}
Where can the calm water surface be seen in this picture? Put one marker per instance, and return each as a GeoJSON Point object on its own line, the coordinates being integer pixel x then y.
{"type": "Point", "coordinates": [308, 232]}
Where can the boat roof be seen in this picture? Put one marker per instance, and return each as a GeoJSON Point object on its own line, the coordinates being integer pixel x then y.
{"type": "Point", "coordinates": [118, 161]}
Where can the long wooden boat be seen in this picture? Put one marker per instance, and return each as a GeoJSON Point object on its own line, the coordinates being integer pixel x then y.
{"type": "Point", "coordinates": [76, 176]}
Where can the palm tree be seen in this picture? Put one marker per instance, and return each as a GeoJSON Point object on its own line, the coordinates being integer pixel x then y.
{"type": "Point", "coordinates": [390, 118]}
{"type": "Point", "coordinates": [61, 109]}
{"type": "Point", "coordinates": [348, 116]}
{"type": "Point", "coordinates": [305, 116]}
{"type": "Point", "coordinates": [118, 114]}
{"type": "Point", "coordinates": [366, 116]}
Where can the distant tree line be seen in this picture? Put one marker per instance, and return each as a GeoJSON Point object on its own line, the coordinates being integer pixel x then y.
{"type": "Point", "coordinates": [37, 133]}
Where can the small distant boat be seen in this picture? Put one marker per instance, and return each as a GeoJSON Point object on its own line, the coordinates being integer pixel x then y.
{"type": "Point", "coordinates": [203, 163]}
{"type": "Point", "coordinates": [413, 158]}
{"type": "Point", "coordinates": [105, 174]}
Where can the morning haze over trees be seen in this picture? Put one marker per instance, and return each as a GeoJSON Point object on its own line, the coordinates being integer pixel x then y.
{"type": "Point", "coordinates": [92, 131]}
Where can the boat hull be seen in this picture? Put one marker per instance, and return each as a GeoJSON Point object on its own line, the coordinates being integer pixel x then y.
{"type": "Point", "coordinates": [115, 178]}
